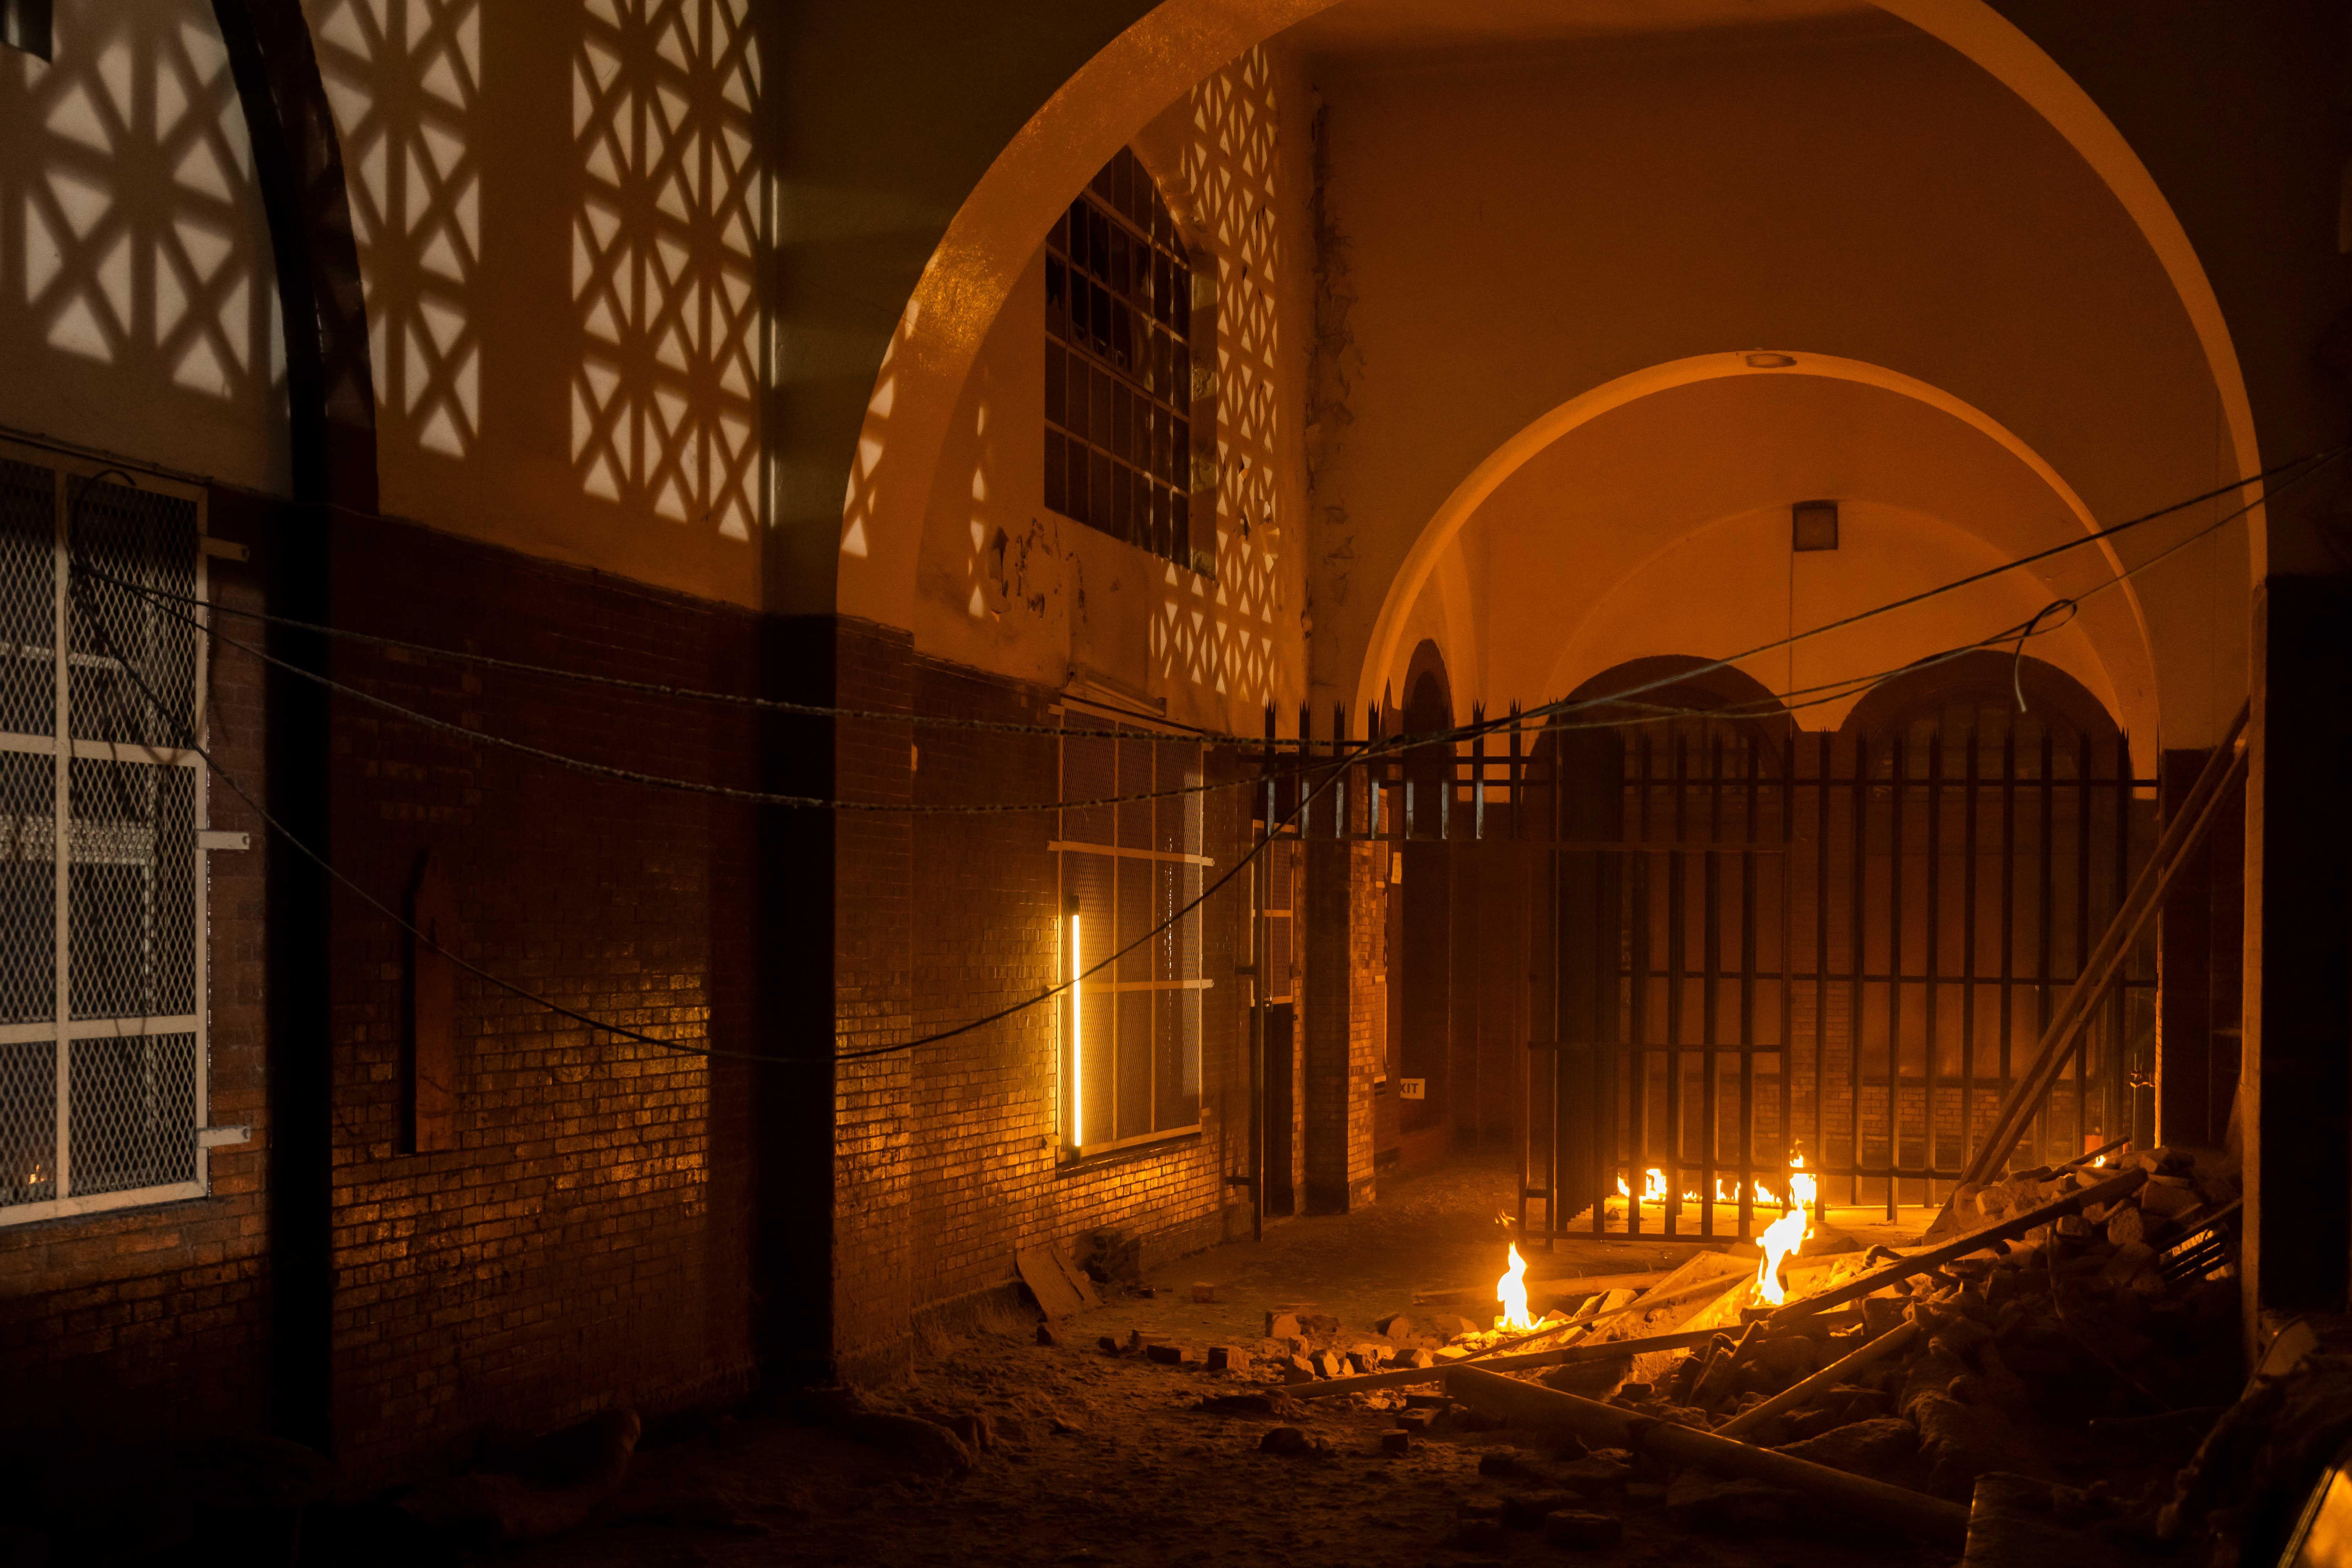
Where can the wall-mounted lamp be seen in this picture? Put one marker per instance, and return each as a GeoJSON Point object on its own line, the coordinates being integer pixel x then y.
{"type": "Point", "coordinates": [1769, 361]}
{"type": "Point", "coordinates": [1077, 1036]}
{"type": "Point", "coordinates": [1813, 525]}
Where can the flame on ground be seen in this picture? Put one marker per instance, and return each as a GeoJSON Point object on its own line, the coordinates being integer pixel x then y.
{"type": "Point", "coordinates": [1782, 1238]}
{"type": "Point", "coordinates": [1511, 1290]}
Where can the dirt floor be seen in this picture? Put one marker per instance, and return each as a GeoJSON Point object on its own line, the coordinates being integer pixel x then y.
{"type": "Point", "coordinates": [1097, 1458]}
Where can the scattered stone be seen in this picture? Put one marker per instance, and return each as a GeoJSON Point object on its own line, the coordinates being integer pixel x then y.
{"type": "Point", "coordinates": [1596, 1476]}
{"type": "Point", "coordinates": [1327, 1364]}
{"type": "Point", "coordinates": [1286, 1440]}
{"type": "Point", "coordinates": [1134, 1339]}
{"type": "Point", "coordinates": [1271, 1403]}
{"type": "Point", "coordinates": [1296, 1369]}
{"type": "Point", "coordinates": [1885, 1449]}
{"type": "Point", "coordinates": [1320, 1324]}
{"type": "Point", "coordinates": [1203, 1292]}
{"type": "Point", "coordinates": [1397, 1328]}
{"type": "Point", "coordinates": [974, 1428]}
{"type": "Point", "coordinates": [1228, 1357]}
{"type": "Point", "coordinates": [1414, 1421]}
{"type": "Point", "coordinates": [1528, 1511]}
{"type": "Point", "coordinates": [1048, 1335]}
{"type": "Point", "coordinates": [2130, 1259]}
{"type": "Point", "coordinates": [1449, 1325]}
{"type": "Point", "coordinates": [1727, 1507]}
{"type": "Point", "coordinates": [1499, 1462]}
{"type": "Point", "coordinates": [1396, 1442]}
{"type": "Point", "coordinates": [2127, 1228]}
{"type": "Point", "coordinates": [1417, 1357]}
{"type": "Point", "coordinates": [1110, 1346]}
{"type": "Point", "coordinates": [1368, 1358]}
{"type": "Point", "coordinates": [1147, 1293]}
{"type": "Point", "coordinates": [1572, 1527]}
{"type": "Point", "coordinates": [1281, 1326]}
{"type": "Point", "coordinates": [1174, 1355]}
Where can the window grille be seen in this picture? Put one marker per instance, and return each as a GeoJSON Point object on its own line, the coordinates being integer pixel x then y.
{"type": "Point", "coordinates": [1132, 1034]}
{"type": "Point", "coordinates": [1118, 367]}
{"type": "Point", "coordinates": [102, 1037]}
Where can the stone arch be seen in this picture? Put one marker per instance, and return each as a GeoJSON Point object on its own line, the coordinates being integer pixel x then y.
{"type": "Point", "coordinates": [1100, 108]}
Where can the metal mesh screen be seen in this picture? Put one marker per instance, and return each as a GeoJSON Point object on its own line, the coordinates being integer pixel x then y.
{"type": "Point", "coordinates": [28, 982]}
{"type": "Point", "coordinates": [28, 1123]}
{"type": "Point", "coordinates": [133, 1112]}
{"type": "Point", "coordinates": [130, 536]}
{"type": "Point", "coordinates": [128, 832]}
{"type": "Point", "coordinates": [28, 531]}
{"type": "Point", "coordinates": [132, 891]}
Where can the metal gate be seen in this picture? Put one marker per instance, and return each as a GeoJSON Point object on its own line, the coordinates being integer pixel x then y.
{"type": "Point", "coordinates": [1753, 944]}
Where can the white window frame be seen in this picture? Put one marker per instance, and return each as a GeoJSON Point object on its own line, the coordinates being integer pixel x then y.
{"type": "Point", "coordinates": [62, 1027]}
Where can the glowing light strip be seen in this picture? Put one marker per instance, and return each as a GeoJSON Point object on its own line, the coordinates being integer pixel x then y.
{"type": "Point", "coordinates": [1077, 1046]}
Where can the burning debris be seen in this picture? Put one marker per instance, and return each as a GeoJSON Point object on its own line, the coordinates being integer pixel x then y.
{"type": "Point", "coordinates": [2050, 1365]}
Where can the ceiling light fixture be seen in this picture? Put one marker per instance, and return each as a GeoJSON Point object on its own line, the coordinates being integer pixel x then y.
{"type": "Point", "coordinates": [1770, 360]}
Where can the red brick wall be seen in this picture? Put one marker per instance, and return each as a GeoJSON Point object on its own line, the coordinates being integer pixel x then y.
{"type": "Point", "coordinates": [585, 1243]}
{"type": "Point", "coordinates": [987, 1175]}
{"type": "Point", "coordinates": [153, 1323]}
{"type": "Point", "coordinates": [1347, 951]}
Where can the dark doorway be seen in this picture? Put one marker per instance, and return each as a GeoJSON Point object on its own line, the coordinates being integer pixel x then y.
{"type": "Point", "coordinates": [1281, 1109]}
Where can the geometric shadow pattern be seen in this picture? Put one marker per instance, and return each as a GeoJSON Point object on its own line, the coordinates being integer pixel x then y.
{"type": "Point", "coordinates": [662, 406]}
{"type": "Point", "coordinates": [125, 189]}
{"type": "Point", "coordinates": [1221, 635]}
{"type": "Point", "coordinates": [404, 80]}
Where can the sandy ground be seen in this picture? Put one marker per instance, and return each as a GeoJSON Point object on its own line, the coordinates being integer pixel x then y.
{"type": "Point", "coordinates": [1102, 1459]}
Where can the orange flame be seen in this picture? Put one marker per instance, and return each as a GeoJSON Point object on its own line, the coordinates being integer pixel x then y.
{"type": "Point", "coordinates": [1511, 1290]}
{"type": "Point", "coordinates": [1785, 1234]}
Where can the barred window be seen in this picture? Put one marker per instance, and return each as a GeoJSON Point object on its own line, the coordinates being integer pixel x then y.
{"type": "Point", "coordinates": [1132, 1034]}
{"type": "Point", "coordinates": [1119, 351]}
{"type": "Point", "coordinates": [102, 1046]}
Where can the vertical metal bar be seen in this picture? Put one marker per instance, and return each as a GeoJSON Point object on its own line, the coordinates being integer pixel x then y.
{"type": "Point", "coordinates": [2084, 787]}
{"type": "Point", "coordinates": [1935, 933]}
{"type": "Point", "coordinates": [1826, 756]}
{"type": "Point", "coordinates": [1637, 1145]}
{"type": "Point", "coordinates": [1968, 952]}
{"type": "Point", "coordinates": [1479, 771]}
{"type": "Point", "coordinates": [1677, 954]}
{"type": "Point", "coordinates": [1898, 760]}
{"type": "Point", "coordinates": [1747, 859]}
{"type": "Point", "coordinates": [2122, 1119]}
{"type": "Point", "coordinates": [2008, 907]}
{"type": "Point", "coordinates": [1710, 1004]}
{"type": "Point", "coordinates": [2046, 957]}
{"type": "Point", "coordinates": [1341, 805]}
{"type": "Point", "coordinates": [1857, 919]}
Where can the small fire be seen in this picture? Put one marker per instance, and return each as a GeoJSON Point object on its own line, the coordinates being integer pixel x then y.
{"type": "Point", "coordinates": [1511, 1290]}
{"type": "Point", "coordinates": [1782, 1238]}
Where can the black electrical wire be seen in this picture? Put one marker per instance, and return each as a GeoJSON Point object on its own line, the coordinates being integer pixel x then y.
{"type": "Point", "coordinates": [1333, 769]}
{"type": "Point", "coordinates": [821, 710]}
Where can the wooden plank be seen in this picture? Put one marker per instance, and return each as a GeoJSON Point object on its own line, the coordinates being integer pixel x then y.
{"type": "Point", "coordinates": [1579, 1354]}
{"type": "Point", "coordinates": [2015, 1225]}
{"type": "Point", "coordinates": [1079, 1280]}
{"type": "Point", "coordinates": [1038, 1270]}
{"type": "Point", "coordinates": [1531, 1404]}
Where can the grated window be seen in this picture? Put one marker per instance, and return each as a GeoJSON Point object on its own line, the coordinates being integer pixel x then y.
{"type": "Point", "coordinates": [1132, 1034]}
{"type": "Point", "coordinates": [1122, 336]}
{"type": "Point", "coordinates": [102, 1042]}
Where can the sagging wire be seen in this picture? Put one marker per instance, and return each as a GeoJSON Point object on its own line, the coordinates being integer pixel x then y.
{"type": "Point", "coordinates": [1333, 769]}
{"type": "Point", "coordinates": [821, 710]}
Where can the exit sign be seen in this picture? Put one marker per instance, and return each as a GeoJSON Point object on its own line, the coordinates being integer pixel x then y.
{"type": "Point", "coordinates": [1413, 1089]}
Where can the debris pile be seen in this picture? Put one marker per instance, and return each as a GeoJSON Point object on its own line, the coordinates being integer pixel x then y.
{"type": "Point", "coordinates": [2038, 1378]}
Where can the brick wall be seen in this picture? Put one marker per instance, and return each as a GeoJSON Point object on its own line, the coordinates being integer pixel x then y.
{"type": "Point", "coordinates": [1346, 951]}
{"type": "Point", "coordinates": [153, 1323]}
{"type": "Point", "coordinates": [987, 1174]}
{"type": "Point", "coordinates": [585, 1242]}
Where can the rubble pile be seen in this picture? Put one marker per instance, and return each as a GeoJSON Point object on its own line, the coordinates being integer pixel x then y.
{"type": "Point", "coordinates": [2060, 1370]}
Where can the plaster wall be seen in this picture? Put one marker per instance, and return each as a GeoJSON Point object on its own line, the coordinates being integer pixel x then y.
{"type": "Point", "coordinates": [1860, 192]}
{"type": "Point", "coordinates": [1662, 527]}
{"type": "Point", "coordinates": [557, 212]}
{"type": "Point", "coordinates": [138, 298]}
{"type": "Point", "coordinates": [1006, 585]}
